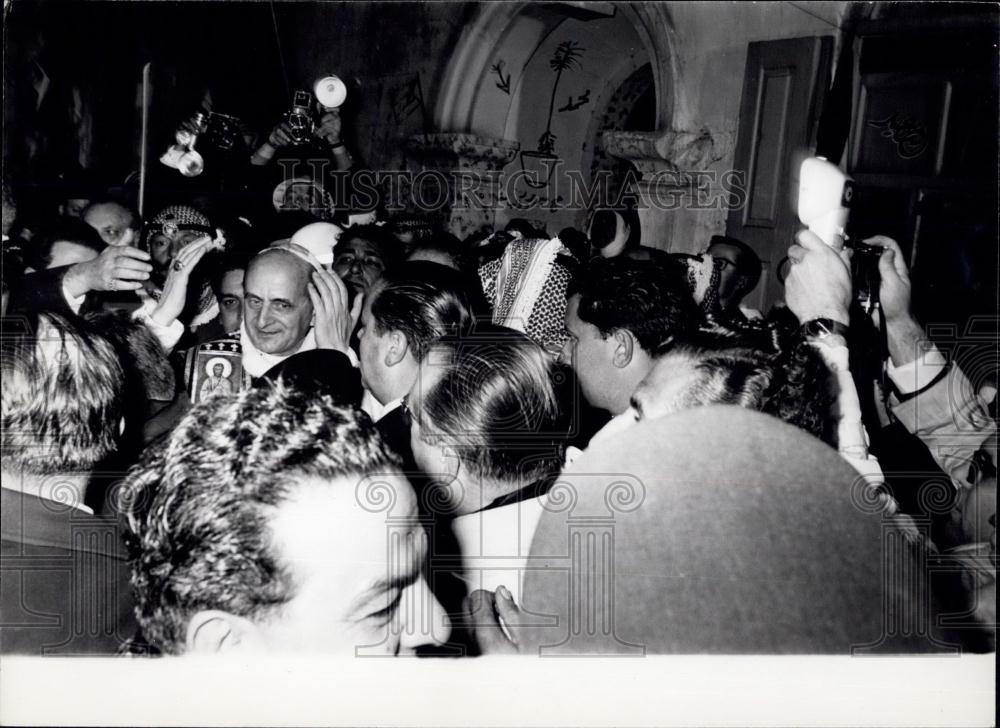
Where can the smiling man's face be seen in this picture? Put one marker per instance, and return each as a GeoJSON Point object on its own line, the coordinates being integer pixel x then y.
{"type": "Point", "coordinates": [276, 306]}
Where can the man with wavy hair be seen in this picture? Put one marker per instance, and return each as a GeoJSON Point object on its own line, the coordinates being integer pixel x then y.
{"type": "Point", "coordinates": [65, 583]}
{"type": "Point", "coordinates": [620, 312]}
{"type": "Point", "coordinates": [276, 521]}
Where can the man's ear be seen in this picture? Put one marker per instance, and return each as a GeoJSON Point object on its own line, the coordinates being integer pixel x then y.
{"type": "Point", "coordinates": [212, 631]}
{"type": "Point", "coordinates": [397, 348]}
{"type": "Point", "coordinates": [624, 344]}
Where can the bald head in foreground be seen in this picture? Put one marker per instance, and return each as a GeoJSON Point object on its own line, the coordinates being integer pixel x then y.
{"type": "Point", "coordinates": [716, 530]}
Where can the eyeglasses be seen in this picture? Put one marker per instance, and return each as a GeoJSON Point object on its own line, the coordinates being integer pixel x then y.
{"type": "Point", "coordinates": [369, 261]}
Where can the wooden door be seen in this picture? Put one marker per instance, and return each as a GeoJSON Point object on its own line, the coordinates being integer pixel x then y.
{"type": "Point", "coordinates": [783, 89]}
{"type": "Point", "coordinates": [923, 155]}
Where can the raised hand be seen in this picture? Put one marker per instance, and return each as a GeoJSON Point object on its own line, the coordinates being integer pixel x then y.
{"type": "Point", "coordinates": [328, 128]}
{"type": "Point", "coordinates": [281, 135]}
{"type": "Point", "coordinates": [894, 292]}
{"type": "Point", "coordinates": [171, 303]}
{"type": "Point", "coordinates": [334, 314]}
{"type": "Point", "coordinates": [819, 282]}
{"type": "Point", "coordinates": [117, 268]}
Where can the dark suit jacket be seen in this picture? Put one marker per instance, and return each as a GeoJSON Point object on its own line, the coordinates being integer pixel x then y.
{"type": "Point", "coordinates": [42, 291]}
{"type": "Point", "coordinates": [64, 587]}
{"type": "Point", "coordinates": [394, 428]}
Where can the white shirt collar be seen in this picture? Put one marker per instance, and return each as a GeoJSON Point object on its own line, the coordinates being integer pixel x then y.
{"type": "Point", "coordinates": [257, 363]}
{"type": "Point", "coordinates": [78, 506]}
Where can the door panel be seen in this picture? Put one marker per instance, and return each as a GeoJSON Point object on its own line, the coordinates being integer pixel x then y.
{"type": "Point", "coordinates": [783, 88]}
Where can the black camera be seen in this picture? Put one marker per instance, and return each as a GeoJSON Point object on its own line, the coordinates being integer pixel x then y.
{"type": "Point", "coordinates": [300, 118]}
{"type": "Point", "coordinates": [865, 275]}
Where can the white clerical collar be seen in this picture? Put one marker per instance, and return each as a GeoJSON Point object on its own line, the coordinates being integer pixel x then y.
{"type": "Point", "coordinates": [256, 362]}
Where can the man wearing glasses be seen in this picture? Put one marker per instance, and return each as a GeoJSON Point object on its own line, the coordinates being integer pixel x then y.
{"type": "Point", "coordinates": [741, 269]}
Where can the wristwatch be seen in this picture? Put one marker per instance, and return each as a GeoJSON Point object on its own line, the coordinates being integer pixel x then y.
{"type": "Point", "coordinates": [821, 328]}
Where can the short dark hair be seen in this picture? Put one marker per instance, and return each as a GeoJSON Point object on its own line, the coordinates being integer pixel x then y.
{"type": "Point", "coordinates": [389, 247]}
{"type": "Point", "coordinates": [749, 267]}
{"type": "Point", "coordinates": [197, 504]}
{"type": "Point", "coordinates": [230, 260]}
{"type": "Point", "coordinates": [648, 298]}
{"type": "Point", "coordinates": [604, 225]}
{"type": "Point", "coordinates": [525, 228]}
{"type": "Point", "coordinates": [425, 301]}
{"type": "Point", "coordinates": [64, 229]}
{"type": "Point", "coordinates": [498, 404]}
{"type": "Point", "coordinates": [62, 397]}
{"type": "Point", "coordinates": [761, 368]}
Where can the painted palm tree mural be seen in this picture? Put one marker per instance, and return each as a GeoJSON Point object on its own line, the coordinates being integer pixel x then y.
{"type": "Point", "coordinates": [542, 161]}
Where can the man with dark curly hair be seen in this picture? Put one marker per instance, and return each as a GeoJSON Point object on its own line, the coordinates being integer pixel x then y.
{"type": "Point", "coordinates": [276, 521]}
{"type": "Point", "coordinates": [754, 369]}
{"type": "Point", "coordinates": [619, 312]}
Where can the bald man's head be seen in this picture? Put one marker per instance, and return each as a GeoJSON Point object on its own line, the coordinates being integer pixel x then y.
{"type": "Point", "coordinates": [276, 306]}
{"type": "Point", "coordinates": [112, 221]}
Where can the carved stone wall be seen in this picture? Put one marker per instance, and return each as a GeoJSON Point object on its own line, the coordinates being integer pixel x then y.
{"type": "Point", "coordinates": [457, 178]}
{"type": "Point", "coordinates": [680, 194]}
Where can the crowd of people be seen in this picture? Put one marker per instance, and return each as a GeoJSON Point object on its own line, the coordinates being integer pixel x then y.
{"type": "Point", "coordinates": [234, 426]}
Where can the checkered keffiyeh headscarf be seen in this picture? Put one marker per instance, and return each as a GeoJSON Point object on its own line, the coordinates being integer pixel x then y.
{"type": "Point", "coordinates": [527, 288]}
{"type": "Point", "coordinates": [704, 274]}
{"type": "Point", "coordinates": [177, 218]}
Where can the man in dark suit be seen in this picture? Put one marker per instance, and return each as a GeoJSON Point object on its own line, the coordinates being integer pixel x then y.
{"type": "Point", "coordinates": [64, 588]}
{"type": "Point", "coordinates": [410, 308]}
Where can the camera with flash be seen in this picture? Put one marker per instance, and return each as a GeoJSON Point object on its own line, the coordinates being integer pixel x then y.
{"type": "Point", "coordinates": [329, 91]}
{"type": "Point", "coordinates": [219, 130]}
{"type": "Point", "coordinates": [825, 195]}
{"type": "Point", "coordinates": [182, 155]}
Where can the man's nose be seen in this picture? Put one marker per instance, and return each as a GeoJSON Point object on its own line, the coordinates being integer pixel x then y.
{"type": "Point", "coordinates": [264, 315]}
{"type": "Point", "coordinates": [423, 622]}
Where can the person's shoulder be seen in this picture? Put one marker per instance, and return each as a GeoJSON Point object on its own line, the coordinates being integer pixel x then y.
{"type": "Point", "coordinates": [53, 526]}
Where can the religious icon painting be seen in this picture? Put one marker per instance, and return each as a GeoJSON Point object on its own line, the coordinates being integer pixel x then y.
{"type": "Point", "coordinates": [214, 368]}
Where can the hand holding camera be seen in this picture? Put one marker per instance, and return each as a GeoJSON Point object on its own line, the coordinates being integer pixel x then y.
{"type": "Point", "coordinates": [825, 196]}
{"type": "Point", "coordinates": [328, 128]}
{"type": "Point", "coordinates": [894, 288]}
{"type": "Point", "coordinates": [819, 282]}
{"type": "Point", "coordinates": [281, 135]}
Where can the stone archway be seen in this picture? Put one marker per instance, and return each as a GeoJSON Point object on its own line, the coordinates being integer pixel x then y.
{"type": "Point", "coordinates": [475, 55]}
{"type": "Point", "coordinates": [484, 103]}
